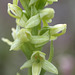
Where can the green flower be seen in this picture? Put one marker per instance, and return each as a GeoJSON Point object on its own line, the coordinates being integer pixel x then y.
{"type": "Point", "coordinates": [20, 36]}
{"type": "Point", "coordinates": [37, 62]}
{"type": "Point", "coordinates": [16, 10]}
{"type": "Point", "coordinates": [47, 34]}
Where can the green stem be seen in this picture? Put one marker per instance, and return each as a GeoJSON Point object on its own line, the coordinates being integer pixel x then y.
{"type": "Point", "coordinates": [51, 51]}
{"type": "Point", "coordinates": [42, 72]}
{"type": "Point", "coordinates": [30, 71]}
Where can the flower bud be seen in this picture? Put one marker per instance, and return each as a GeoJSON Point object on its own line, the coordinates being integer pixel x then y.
{"type": "Point", "coordinates": [47, 14]}
{"type": "Point", "coordinates": [17, 11]}
{"type": "Point", "coordinates": [58, 29]}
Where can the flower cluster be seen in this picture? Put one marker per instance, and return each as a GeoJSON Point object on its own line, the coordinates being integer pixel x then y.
{"type": "Point", "coordinates": [29, 36]}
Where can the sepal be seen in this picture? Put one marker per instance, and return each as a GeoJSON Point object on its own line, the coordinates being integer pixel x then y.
{"type": "Point", "coordinates": [49, 67]}
{"type": "Point", "coordinates": [33, 21]}
{"type": "Point", "coordinates": [26, 64]}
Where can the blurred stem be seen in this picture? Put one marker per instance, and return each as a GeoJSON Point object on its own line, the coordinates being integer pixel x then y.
{"type": "Point", "coordinates": [51, 51]}
{"type": "Point", "coordinates": [30, 71]}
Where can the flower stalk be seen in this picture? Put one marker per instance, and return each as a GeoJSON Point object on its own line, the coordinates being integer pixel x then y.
{"type": "Point", "coordinates": [30, 36]}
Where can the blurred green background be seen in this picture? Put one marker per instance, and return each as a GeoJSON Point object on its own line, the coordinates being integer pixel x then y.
{"type": "Point", "coordinates": [64, 58]}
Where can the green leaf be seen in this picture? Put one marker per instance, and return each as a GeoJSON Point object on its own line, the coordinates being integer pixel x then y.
{"type": "Point", "coordinates": [33, 21]}
{"type": "Point", "coordinates": [36, 68]}
{"type": "Point", "coordinates": [27, 64]}
{"type": "Point", "coordinates": [49, 67]}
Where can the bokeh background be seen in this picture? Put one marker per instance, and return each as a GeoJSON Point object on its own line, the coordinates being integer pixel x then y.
{"type": "Point", "coordinates": [64, 58]}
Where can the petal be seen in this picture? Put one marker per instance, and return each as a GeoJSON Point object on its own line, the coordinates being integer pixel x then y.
{"type": "Point", "coordinates": [26, 64]}
{"type": "Point", "coordinates": [36, 68]}
{"type": "Point", "coordinates": [49, 67]}
{"type": "Point", "coordinates": [7, 41]}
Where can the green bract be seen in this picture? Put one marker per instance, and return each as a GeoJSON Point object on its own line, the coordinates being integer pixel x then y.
{"type": "Point", "coordinates": [30, 36]}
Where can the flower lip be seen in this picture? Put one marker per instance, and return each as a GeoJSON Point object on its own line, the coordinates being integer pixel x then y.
{"type": "Point", "coordinates": [38, 57]}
